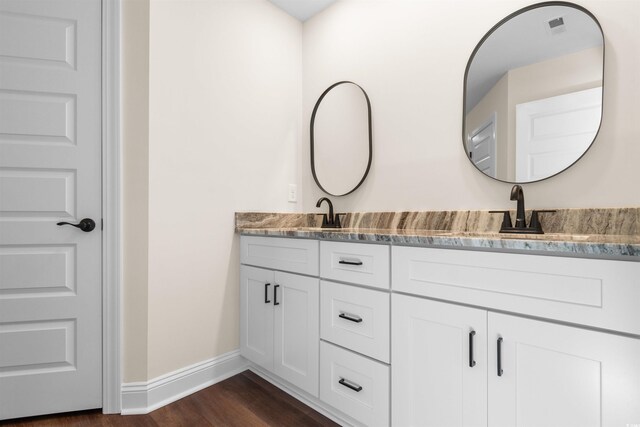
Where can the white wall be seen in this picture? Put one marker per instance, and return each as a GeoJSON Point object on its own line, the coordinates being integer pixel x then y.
{"type": "Point", "coordinates": [224, 122]}
{"type": "Point", "coordinates": [225, 133]}
{"type": "Point", "coordinates": [410, 57]}
{"type": "Point", "coordinates": [135, 137]}
{"type": "Point", "coordinates": [224, 127]}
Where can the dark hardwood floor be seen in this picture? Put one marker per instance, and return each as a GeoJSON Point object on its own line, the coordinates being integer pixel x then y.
{"type": "Point", "coordinates": [243, 400]}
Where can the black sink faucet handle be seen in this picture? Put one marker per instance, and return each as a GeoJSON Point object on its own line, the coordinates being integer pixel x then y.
{"type": "Point", "coordinates": [325, 221]}
{"type": "Point", "coordinates": [535, 223]}
{"type": "Point", "coordinates": [506, 219]}
{"type": "Point", "coordinates": [337, 219]}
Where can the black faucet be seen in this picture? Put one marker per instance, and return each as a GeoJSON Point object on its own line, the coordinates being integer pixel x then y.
{"type": "Point", "coordinates": [330, 221]}
{"type": "Point", "coordinates": [520, 227]}
{"type": "Point", "coordinates": [518, 194]}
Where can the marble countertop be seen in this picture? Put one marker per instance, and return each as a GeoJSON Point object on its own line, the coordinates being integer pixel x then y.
{"type": "Point", "coordinates": [600, 246]}
{"type": "Point", "coordinates": [598, 233]}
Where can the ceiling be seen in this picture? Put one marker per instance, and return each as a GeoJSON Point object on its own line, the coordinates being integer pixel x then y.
{"type": "Point", "coordinates": [525, 40]}
{"type": "Point", "coordinates": [302, 9]}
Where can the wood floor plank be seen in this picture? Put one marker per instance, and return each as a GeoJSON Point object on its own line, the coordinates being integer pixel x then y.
{"type": "Point", "coordinates": [271, 389]}
{"type": "Point", "coordinates": [244, 400]}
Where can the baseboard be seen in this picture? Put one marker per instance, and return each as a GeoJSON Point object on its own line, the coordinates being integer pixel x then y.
{"type": "Point", "coordinates": [311, 401]}
{"type": "Point", "coordinates": [144, 397]}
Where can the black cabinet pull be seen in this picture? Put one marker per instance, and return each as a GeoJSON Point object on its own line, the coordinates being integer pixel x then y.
{"type": "Point", "coordinates": [500, 356]}
{"type": "Point", "coordinates": [351, 317]}
{"type": "Point", "coordinates": [342, 261]}
{"type": "Point", "coordinates": [266, 293]}
{"type": "Point", "coordinates": [472, 362]}
{"type": "Point", "coordinates": [353, 386]}
{"type": "Point", "coordinates": [275, 295]}
{"type": "Point", "coordinates": [86, 224]}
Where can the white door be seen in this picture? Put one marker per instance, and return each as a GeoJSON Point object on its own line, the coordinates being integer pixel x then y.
{"type": "Point", "coordinates": [552, 133]}
{"type": "Point", "coordinates": [555, 375]}
{"type": "Point", "coordinates": [481, 146]}
{"type": "Point", "coordinates": [50, 171]}
{"type": "Point", "coordinates": [297, 330]}
{"type": "Point", "coordinates": [256, 315]}
{"type": "Point", "coordinates": [439, 360]}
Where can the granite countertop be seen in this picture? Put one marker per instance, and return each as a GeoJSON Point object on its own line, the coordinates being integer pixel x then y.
{"type": "Point", "coordinates": [454, 231]}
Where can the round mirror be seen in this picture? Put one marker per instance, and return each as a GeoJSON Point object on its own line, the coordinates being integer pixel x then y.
{"type": "Point", "coordinates": [341, 142]}
{"type": "Point", "coordinates": [533, 93]}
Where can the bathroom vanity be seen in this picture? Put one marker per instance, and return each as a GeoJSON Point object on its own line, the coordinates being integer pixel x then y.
{"type": "Point", "coordinates": [428, 328]}
{"type": "Point", "coordinates": [434, 319]}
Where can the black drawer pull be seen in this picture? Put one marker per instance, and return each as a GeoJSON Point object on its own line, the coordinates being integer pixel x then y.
{"type": "Point", "coordinates": [275, 295]}
{"type": "Point", "coordinates": [266, 293]}
{"type": "Point", "coordinates": [351, 317]}
{"type": "Point", "coordinates": [353, 386]}
{"type": "Point", "coordinates": [500, 357]}
{"type": "Point", "coordinates": [472, 362]}
{"type": "Point", "coordinates": [343, 261]}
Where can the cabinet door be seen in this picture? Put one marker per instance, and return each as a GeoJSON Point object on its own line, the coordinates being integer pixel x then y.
{"type": "Point", "coordinates": [256, 315]}
{"type": "Point", "coordinates": [433, 383]}
{"type": "Point", "coordinates": [297, 326]}
{"type": "Point", "coordinates": [556, 375]}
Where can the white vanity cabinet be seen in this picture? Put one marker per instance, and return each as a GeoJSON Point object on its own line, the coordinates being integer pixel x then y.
{"type": "Point", "coordinates": [557, 375]}
{"type": "Point", "coordinates": [393, 335]}
{"type": "Point", "coordinates": [439, 356]}
{"type": "Point", "coordinates": [279, 317]}
{"type": "Point", "coordinates": [354, 328]}
{"type": "Point", "coordinates": [527, 372]}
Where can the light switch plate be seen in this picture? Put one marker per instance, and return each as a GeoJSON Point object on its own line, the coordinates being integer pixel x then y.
{"type": "Point", "coordinates": [293, 193]}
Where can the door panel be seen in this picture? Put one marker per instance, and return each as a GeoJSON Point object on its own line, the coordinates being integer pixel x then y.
{"type": "Point", "coordinates": [561, 375]}
{"type": "Point", "coordinates": [50, 171]}
{"type": "Point", "coordinates": [432, 382]}
{"type": "Point", "coordinates": [256, 322]}
{"type": "Point", "coordinates": [481, 146]}
{"type": "Point", "coordinates": [552, 133]}
{"type": "Point", "coordinates": [297, 330]}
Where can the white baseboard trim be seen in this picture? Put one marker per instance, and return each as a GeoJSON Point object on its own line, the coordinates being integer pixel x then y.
{"type": "Point", "coordinates": [311, 401]}
{"type": "Point", "coordinates": [144, 397]}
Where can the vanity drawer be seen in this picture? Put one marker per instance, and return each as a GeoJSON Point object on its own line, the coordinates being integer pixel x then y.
{"type": "Point", "coordinates": [592, 292]}
{"type": "Point", "coordinates": [294, 255]}
{"type": "Point", "coordinates": [355, 318]}
{"type": "Point", "coordinates": [355, 385]}
{"type": "Point", "coordinates": [359, 263]}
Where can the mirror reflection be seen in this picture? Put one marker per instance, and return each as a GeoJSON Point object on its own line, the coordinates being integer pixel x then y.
{"type": "Point", "coordinates": [533, 93]}
{"type": "Point", "coordinates": [341, 138]}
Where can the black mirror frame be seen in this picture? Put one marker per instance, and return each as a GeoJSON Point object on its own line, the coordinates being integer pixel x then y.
{"type": "Point", "coordinates": [313, 118]}
{"type": "Point", "coordinates": [479, 45]}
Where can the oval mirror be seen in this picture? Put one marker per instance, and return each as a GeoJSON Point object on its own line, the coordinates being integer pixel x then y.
{"type": "Point", "coordinates": [533, 93]}
{"type": "Point", "coordinates": [341, 144]}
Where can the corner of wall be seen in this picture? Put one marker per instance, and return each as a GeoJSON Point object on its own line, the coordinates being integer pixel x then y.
{"type": "Point", "coordinates": [135, 143]}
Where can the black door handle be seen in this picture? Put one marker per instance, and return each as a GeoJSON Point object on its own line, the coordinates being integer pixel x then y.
{"type": "Point", "coordinates": [275, 295]}
{"type": "Point", "coordinates": [500, 356]}
{"type": "Point", "coordinates": [472, 362]}
{"type": "Point", "coordinates": [86, 224]}
{"type": "Point", "coordinates": [266, 293]}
